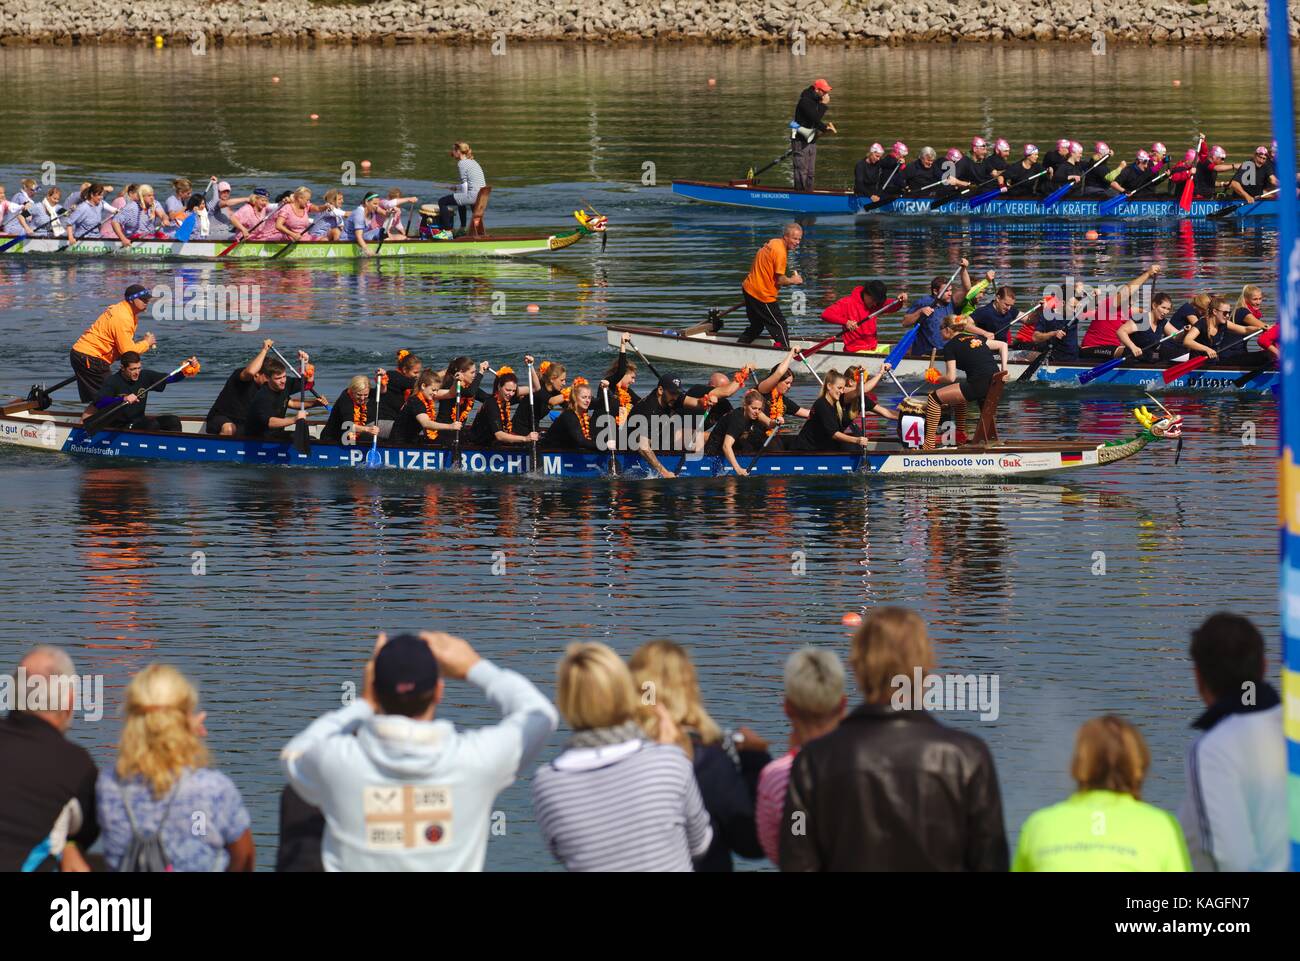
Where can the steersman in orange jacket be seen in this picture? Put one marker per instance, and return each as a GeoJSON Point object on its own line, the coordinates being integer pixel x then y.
{"type": "Point", "coordinates": [107, 339]}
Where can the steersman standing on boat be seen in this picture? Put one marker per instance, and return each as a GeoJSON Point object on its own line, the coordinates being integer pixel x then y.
{"type": "Point", "coordinates": [107, 339]}
{"type": "Point", "coordinates": [807, 124]}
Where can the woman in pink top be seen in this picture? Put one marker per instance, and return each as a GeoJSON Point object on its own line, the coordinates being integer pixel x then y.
{"type": "Point", "coordinates": [132, 192]}
{"type": "Point", "coordinates": [291, 220]}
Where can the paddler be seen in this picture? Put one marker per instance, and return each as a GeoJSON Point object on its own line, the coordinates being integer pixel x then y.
{"type": "Point", "coordinates": [661, 415]}
{"type": "Point", "coordinates": [418, 423]}
{"type": "Point", "coordinates": [355, 411]}
{"type": "Point", "coordinates": [13, 216]}
{"type": "Point", "coordinates": [88, 216]}
{"type": "Point", "coordinates": [1069, 170]}
{"type": "Point", "coordinates": [1254, 177]}
{"type": "Point", "coordinates": [742, 431]}
{"type": "Point", "coordinates": [823, 431]}
{"type": "Point", "coordinates": [1000, 159]}
{"type": "Point", "coordinates": [762, 287]}
{"type": "Point", "coordinates": [617, 385]}
{"type": "Point", "coordinates": [969, 353]}
{"type": "Point", "coordinates": [893, 168]}
{"type": "Point", "coordinates": [1097, 178]}
{"type": "Point", "coordinates": [399, 384]}
{"type": "Point", "coordinates": [138, 218]}
{"type": "Point", "coordinates": [230, 409]}
{"type": "Point", "coordinates": [869, 174]}
{"type": "Point", "coordinates": [268, 417]}
{"type": "Point", "coordinates": [47, 216]}
{"type": "Point", "coordinates": [973, 168]}
{"type": "Point", "coordinates": [921, 177]}
{"type": "Point", "coordinates": [546, 392]}
{"type": "Point", "coordinates": [1057, 155]}
{"type": "Point", "coordinates": [993, 320]}
{"type": "Point", "coordinates": [1108, 335]}
{"type": "Point", "coordinates": [496, 424]}
{"type": "Point", "coordinates": [774, 389]}
{"type": "Point", "coordinates": [253, 215]}
{"type": "Point", "coordinates": [931, 312]}
{"type": "Point", "coordinates": [126, 408]}
{"type": "Point", "coordinates": [457, 391]}
{"type": "Point", "coordinates": [360, 228]}
{"type": "Point", "coordinates": [577, 427]}
{"type": "Point", "coordinates": [854, 314]}
{"type": "Point", "coordinates": [1016, 178]}
{"type": "Point", "coordinates": [807, 124]}
{"type": "Point", "coordinates": [107, 339]}
{"type": "Point", "coordinates": [1137, 177]}
{"type": "Point", "coordinates": [221, 207]}
{"type": "Point", "coordinates": [851, 419]}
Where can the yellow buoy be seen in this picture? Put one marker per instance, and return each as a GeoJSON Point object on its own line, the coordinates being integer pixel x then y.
{"type": "Point", "coordinates": [158, 41]}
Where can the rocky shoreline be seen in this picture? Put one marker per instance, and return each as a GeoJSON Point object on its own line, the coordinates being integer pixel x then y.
{"type": "Point", "coordinates": [303, 22]}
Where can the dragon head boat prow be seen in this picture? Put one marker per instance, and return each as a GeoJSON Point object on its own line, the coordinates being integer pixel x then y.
{"type": "Point", "coordinates": [1170, 425]}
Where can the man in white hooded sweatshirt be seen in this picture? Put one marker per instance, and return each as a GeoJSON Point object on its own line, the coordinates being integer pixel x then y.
{"type": "Point", "coordinates": [401, 791]}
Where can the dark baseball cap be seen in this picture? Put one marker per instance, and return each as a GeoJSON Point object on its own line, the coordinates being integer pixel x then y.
{"type": "Point", "coordinates": [261, 192]}
{"type": "Point", "coordinates": [405, 665]}
{"type": "Point", "coordinates": [137, 292]}
{"type": "Point", "coordinates": [672, 385]}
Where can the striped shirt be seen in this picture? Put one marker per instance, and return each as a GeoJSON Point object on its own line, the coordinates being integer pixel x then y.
{"type": "Point", "coordinates": [633, 806]}
{"type": "Point", "coordinates": [471, 181]}
{"type": "Point", "coordinates": [769, 805]}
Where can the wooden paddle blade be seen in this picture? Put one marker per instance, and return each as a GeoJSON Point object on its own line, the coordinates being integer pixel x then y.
{"type": "Point", "coordinates": [19, 407]}
{"type": "Point", "coordinates": [1088, 376]}
{"type": "Point", "coordinates": [1171, 374]}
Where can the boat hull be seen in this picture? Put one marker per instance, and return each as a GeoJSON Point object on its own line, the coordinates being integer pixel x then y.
{"type": "Point", "coordinates": [844, 203]}
{"type": "Point", "coordinates": [61, 434]}
{"type": "Point", "coordinates": [723, 353]}
{"type": "Point", "coordinates": [307, 250]}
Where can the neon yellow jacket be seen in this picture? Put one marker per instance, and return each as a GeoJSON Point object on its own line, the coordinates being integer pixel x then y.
{"type": "Point", "coordinates": [972, 298]}
{"type": "Point", "coordinates": [1101, 831]}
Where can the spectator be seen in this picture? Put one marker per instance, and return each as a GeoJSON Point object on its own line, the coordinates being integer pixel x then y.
{"type": "Point", "coordinates": [162, 785]}
{"type": "Point", "coordinates": [891, 789]}
{"type": "Point", "coordinates": [47, 792]}
{"type": "Point", "coordinates": [1235, 810]}
{"type": "Point", "coordinates": [613, 801]}
{"type": "Point", "coordinates": [1105, 825]}
{"type": "Point", "coordinates": [402, 791]}
{"type": "Point", "coordinates": [814, 703]}
{"type": "Point", "coordinates": [727, 777]}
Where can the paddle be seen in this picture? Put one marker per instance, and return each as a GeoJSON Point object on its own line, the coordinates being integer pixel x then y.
{"type": "Point", "coordinates": [186, 229]}
{"type": "Point", "coordinates": [455, 419]}
{"type": "Point", "coordinates": [1110, 206]}
{"type": "Point", "coordinates": [644, 359]}
{"type": "Point", "coordinates": [1232, 208]}
{"type": "Point", "coordinates": [17, 240]}
{"type": "Point", "coordinates": [1055, 196]}
{"type": "Point", "coordinates": [94, 420]}
{"type": "Point", "coordinates": [1245, 378]}
{"type": "Point", "coordinates": [883, 200]}
{"type": "Point", "coordinates": [372, 456]}
{"type": "Point", "coordinates": [38, 398]}
{"type": "Point", "coordinates": [1088, 376]}
{"type": "Point", "coordinates": [754, 460]}
{"type": "Point", "coordinates": [1044, 352]}
{"type": "Point", "coordinates": [246, 236]}
{"type": "Point", "coordinates": [890, 200]}
{"type": "Point", "coordinates": [301, 435]}
{"type": "Point", "coordinates": [961, 193]}
{"type": "Point", "coordinates": [982, 199]}
{"type": "Point", "coordinates": [613, 460]}
{"type": "Point", "coordinates": [532, 414]}
{"type": "Point", "coordinates": [752, 173]}
{"type": "Point", "coordinates": [1173, 373]}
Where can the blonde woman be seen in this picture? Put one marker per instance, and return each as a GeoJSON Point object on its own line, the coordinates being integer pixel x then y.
{"type": "Point", "coordinates": [1105, 825]}
{"type": "Point", "coordinates": [330, 217]}
{"type": "Point", "coordinates": [162, 785]}
{"type": "Point", "coordinates": [821, 432]}
{"type": "Point", "coordinates": [139, 218]}
{"type": "Point", "coordinates": [613, 800]}
{"type": "Point", "coordinates": [727, 777]}
{"type": "Point", "coordinates": [292, 218]}
{"type": "Point", "coordinates": [463, 194]}
{"type": "Point", "coordinates": [356, 408]}
{"type": "Point", "coordinates": [175, 208]}
{"type": "Point", "coordinates": [1247, 317]}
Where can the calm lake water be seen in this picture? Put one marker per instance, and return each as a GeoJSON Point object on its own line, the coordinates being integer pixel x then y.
{"type": "Point", "coordinates": [303, 568]}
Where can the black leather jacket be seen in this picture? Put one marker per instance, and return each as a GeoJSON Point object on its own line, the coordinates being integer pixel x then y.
{"type": "Point", "coordinates": [893, 791]}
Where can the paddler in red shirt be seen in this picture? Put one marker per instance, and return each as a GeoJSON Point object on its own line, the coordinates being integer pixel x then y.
{"type": "Point", "coordinates": [853, 313]}
{"type": "Point", "coordinates": [1107, 336]}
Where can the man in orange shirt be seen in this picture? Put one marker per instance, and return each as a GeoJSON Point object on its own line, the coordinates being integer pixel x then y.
{"type": "Point", "coordinates": [763, 285]}
{"type": "Point", "coordinates": [107, 339]}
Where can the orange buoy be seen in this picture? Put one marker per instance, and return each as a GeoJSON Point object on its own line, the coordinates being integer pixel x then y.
{"type": "Point", "coordinates": [713, 82]}
{"type": "Point", "coordinates": [275, 79]}
{"type": "Point", "coordinates": [851, 619]}
{"type": "Point", "coordinates": [532, 308]}
{"type": "Point", "coordinates": [1092, 235]}
{"type": "Point", "coordinates": [365, 165]}
{"type": "Point", "coordinates": [315, 116]}
{"type": "Point", "coordinates": [1178, 83]}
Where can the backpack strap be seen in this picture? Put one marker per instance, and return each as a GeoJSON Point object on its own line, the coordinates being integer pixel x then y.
{"type": "Point", "coordinates": [130, 816]}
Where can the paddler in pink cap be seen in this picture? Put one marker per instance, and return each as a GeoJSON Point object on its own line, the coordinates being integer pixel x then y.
{"type": "Point", "coordinates": [808, 124]}
{"type": "Point", "coordinates": [220, 206]}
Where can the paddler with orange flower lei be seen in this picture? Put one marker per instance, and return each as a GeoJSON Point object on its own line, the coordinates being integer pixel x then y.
{"type": "Point", "coordinates": [547, 392]}
{"type": "Point", "coordinates": [418, 424]}
{"type": "Point", "coordinates": [354, 410]}
{"type": "Point", "coordinates": [617, 385]}
{"type": "Point", "coordinates": [398, 386]}
{"type": "Point", "coordinates": [577, 427]}
{"type": "Point", "coordinates": [775, 388]}
{"type": "Point", "coordinates": [457, 393]}
{"type": "Point", "coordinates": [851, 406]}
{"type": "Point", "coordinates": [496, 423]}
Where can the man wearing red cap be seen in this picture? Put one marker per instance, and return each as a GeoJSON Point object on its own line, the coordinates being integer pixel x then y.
{"type": "Point", "coordinates": [805, 127]}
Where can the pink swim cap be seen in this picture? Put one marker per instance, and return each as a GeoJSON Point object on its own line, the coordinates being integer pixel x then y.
{"type": "Point", "coordinates": [1076, 147]}
{"type": "Point", "coordinates": [1101, 147]}
{"type": "Point", "coordinates": [1189, 156]}
{"type": "Point", "coordinates": [978, 142]}
{"type": "Point", "coordinates": [1062, 145]}
{"type": "Point", "coordinates": [1030, 150]}
{"type": "Point", "coordinates": [900, 148]}
{"type": "Point", "coordinates": [1159, 148]}
{"type": "Point", "coordinates": [876, 148]}
{"type": "Point", "coordinates": [1218, 153]}
{"type": "Point", "coordinates": [954, 154]}
{"type": "Point", "coordinates": [1001, 145]}
{"type": "Point", "coordinates": [1143, 156]}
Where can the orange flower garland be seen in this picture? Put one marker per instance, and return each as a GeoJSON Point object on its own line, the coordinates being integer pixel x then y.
{"type": "Point", "coordinates": [503, 406]}
{"type": "Point", "coordinates": [624, 404]}
{"type": "Point", "coordinates": [584, 421]}
{"type": "Point", "coordinates": [430, 408]}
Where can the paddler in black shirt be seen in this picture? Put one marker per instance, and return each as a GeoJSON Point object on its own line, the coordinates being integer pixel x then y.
{"type": "Point", "coordinates": [1000, 159]}
{"type": "Point", "coordinates": [1071, 169]}
{"type": "Point", "coordinates": [121, 395]}
{"type": "Point", "coordinates": [416, 424]}
{"type": "Point", "coordinates": [617, 386]}
{"type": "Point", "coordinates": [268, 413]}
{"type": "Point", "coordinates": [496, 425]}
{"type": "Point", "coordinates": [1136, 177]}
{"type": "Point", "coordinates": [230, 409]}
{"type": "Point", "coordinates": [870, 173]}
{"type": "Point", "coordinates": [921, 177]}
{"type": "Point", "coordinates": [1016, 178]}
{"type": "Point", "coordinates": [1058, 155]}
{"type": "Point", "coordinates": [973, 168]}
{"type": "Point", "coordinates": [453, 405]}
{"type": "Point", "coordinates": [1095, 184]}
{"type": "Point", "coordinates": [354, 408]}
{"type": "Point", "coordinates": [576, 428]}
{"type": "Point", "coordinates": [671, 399]}
{"type": "Point", "coordinates": [399, 384]}
{"type": "Point", "coordinates": [822, 430]}
{"type": "Point", "coordinates": [892, 169]}
{"type": "Point", "coordinates": [970, 354]}
{"type": "Point", "coordinates": [742, 431]}
{"type": "Point", "coordinates": [1254, 177]}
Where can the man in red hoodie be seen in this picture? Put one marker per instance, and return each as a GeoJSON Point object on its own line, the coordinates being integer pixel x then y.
{"type": "Point", "coordinates": [853, 313]}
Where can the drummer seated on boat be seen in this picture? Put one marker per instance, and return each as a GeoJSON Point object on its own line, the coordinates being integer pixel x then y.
{"type": "Point", "coordinates": [854, 314]}
{"type": "Point", "coordinates": [361, 227]}
{"type": "Point", "coordinates": [417, 424]}
{"type": "Point", "coordinates": [495, 424]}
{"type": "Point", "coordinates": [352, 416]}
{"type": "Point", "coordinates": [1107, 335]}
{"type": "Point", "coordinates": [122, 396]}
{"type": "Point", "coordinates": [268, 413]}
{"type": "Point", "coordinates": [743, 431]}
{"type": "Point", "coordinates": [577, 428]}
{"type": "Point", "coordinates": [968, 353]}
{"type": "Point", "coordinates": [931, 312]}
{"type": "Point", "coordinates": [230, 409]}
